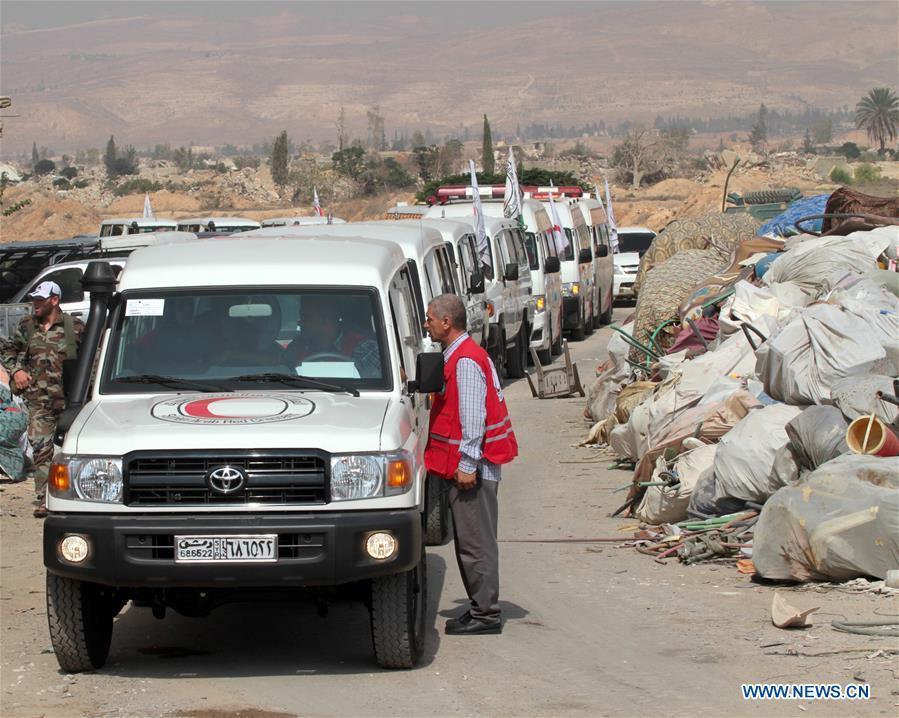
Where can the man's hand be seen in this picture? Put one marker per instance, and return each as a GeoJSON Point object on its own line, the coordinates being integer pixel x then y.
{"type": "Point", "coordinates": [465, 481]}
{"type": "Point", "coordinates": [22, 379]}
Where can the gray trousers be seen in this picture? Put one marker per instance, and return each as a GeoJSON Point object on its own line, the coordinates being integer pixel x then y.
{"type": "Point", "coordinates": [475, 514]}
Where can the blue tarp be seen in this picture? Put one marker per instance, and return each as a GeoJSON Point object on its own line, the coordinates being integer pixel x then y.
{"type": "Point", "coordinates": [784, 224]}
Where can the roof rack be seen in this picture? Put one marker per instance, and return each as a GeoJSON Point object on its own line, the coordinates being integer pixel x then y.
{"type": "Point", "coordinates": [448, 193]}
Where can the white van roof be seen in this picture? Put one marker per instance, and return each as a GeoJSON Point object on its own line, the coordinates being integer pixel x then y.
{"type": "Point", "coordinates": [147, 239]}
{"type": "Point", "coordinates": [568, 217]}
{"type": "Point", "coordinates": [463, 210]}
{"type": "Point", "coordinates": [451, 229]}
{"type": "Point", "coordinates": [285, 261]}
{"type": "Point", "coordinates": [140, 222]}
{"type": "Point", "coordinates": [300, 221]}
{"type": "Point", "coordinates": [221, 221]}
{"type": "Point", "coordinates": [593, 211]}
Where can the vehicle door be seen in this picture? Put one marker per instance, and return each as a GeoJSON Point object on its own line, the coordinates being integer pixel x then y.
{"type": "Point", "coordinates": [475, 303]}
{"type": "Point", "coordinates": [511, 309]}
{"type": "Point", "coordinates": [585, 269]}
{"type": "Point", "coordinates": [603, 263]}
{"type": "Point", "coordinates": [525, 286]}
{"type": "Point", "coordinates": [407, 325]}
{"type": "Point", "coordinates": [552, 284]}
{"type": "Point", "coordinates": [74, 299]}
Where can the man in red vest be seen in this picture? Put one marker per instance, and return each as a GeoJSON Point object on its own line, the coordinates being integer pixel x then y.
{"type": "Point", "coordinates": [470, 438]}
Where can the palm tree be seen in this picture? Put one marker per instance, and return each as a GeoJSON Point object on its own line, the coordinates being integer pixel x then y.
{"type": "Point", "coordinates": [878, 114]}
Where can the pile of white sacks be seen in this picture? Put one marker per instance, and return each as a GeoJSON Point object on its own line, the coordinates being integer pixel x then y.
{"type": "Point", "coordinates": [763, 422]}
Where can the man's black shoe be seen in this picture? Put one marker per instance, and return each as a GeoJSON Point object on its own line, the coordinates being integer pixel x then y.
{"type": "Point", "coordinates": [468, 625]}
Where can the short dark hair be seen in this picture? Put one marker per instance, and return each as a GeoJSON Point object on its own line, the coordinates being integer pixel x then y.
{"type": "Point", "coordinates": [451, 306]}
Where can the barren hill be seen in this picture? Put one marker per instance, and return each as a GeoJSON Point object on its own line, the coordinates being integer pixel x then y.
{"type": "Point", "coordinates": [171, 77]}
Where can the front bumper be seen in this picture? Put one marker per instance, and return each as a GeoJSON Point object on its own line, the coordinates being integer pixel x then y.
{"type": "Point", "coordinates": [321, 549]}
{"type": "Point", "coordinates": [540, 333]}
{"type": "Point", "coordinates": [623, 285]}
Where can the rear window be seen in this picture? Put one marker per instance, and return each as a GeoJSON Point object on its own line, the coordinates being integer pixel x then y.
{"type": "Point", "coordinates": [635, 241]}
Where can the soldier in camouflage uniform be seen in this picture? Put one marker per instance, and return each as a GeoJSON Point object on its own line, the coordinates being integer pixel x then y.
{"type": "Point", "coordinates": [34, 358]}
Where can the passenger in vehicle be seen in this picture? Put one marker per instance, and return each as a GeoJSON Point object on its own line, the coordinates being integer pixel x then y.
{"type": "Point", "coordinates": [334, 331]}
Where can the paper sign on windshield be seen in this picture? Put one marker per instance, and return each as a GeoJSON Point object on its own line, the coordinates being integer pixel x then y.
{"type": "Point", "coordinates": [144, 307]}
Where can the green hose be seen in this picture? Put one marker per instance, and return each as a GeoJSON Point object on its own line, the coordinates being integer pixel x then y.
{"type": "Point", "coordinates": [868, 628]}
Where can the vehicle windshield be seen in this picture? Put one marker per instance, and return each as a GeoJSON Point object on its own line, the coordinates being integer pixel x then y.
{"type": "Point", "coordinates": [162, 339]}
{"type": "Point", "coordinates": [530, 244]}
{"type": "Point", "coordinates": [634, 241]}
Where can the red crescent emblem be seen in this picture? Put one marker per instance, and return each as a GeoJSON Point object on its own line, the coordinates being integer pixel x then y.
{"type": "Point", "coordinates": [200, 409]}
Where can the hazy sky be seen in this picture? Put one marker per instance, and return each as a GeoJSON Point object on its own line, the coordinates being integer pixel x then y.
{"type": "Point", "coordinates": [38, 14]}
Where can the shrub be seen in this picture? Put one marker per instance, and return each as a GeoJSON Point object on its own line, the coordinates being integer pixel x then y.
{"type": "Point", "coordinates": [246, 161]}
{"type": "Point", "coordinates": [840, 176]}
{"type": "Point", "coordinates": [69, 173]}
{"type": "Point", "coordinates": [867, 173]}
{"type": "Point", "coordinates": [81, 184]}
{"type": "Point", "coordinates": [137, 185]}
{"type": "Point", "coordinates": [849, 150]}
{"type": "Point", "coordinates": [62, 183]}
{"type": "Point", "coordinates": [44, 167]}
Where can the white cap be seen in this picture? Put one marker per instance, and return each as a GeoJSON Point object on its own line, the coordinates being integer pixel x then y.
{"type": "Point", "coordinates": [44, 290]}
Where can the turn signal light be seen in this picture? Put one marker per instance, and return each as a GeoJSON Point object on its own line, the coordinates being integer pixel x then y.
{"type": "Point", "coordinates": [489, 309]}
{"type": "Point", "coordinates": [59, 477]}
{"type": "Point", "coordinates": [399, 474]}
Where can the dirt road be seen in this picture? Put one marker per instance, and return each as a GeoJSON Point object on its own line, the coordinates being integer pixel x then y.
{"type": "Point", "coordinates": [591, 629]}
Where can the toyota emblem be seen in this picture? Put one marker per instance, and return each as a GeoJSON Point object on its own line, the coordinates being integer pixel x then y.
{"type": "Point", "coordinates": [226, 479]}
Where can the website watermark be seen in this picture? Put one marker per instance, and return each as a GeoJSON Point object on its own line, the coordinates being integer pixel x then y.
{"type": "Point", "coordinates": [805, 691]}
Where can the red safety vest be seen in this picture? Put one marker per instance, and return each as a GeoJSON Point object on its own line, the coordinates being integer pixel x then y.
{"type": "Point", "coordinates": [442, 451]}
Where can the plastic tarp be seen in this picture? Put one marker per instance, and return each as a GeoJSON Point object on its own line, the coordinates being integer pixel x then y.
{"type": "Point", "coordinates": [603, 393]}
{"type": "Point", "coordinates": [841, 523]}
{"type": "Point", "coordinates": [784, 224]}
{"type": "Point", "coordinates": [817, 263]}
{"type": "Point", "coordinates": [820, 345]}
{"type": "Point", "coordinates": [752, 461]}
{"type": "Point", "coordinates": [876, 307]}
{"type": "Point", "coordinates": [13, 425]}
{"type": "Point", "coordinates": [856, 396]}
{"type": "Point", "coordinates": [663, 504]}
{"type": "Point", "coordinates": [817, 436]}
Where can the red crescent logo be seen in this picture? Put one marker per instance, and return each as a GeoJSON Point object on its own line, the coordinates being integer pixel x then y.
{"type": "Point", "coordinates": [200, 409]}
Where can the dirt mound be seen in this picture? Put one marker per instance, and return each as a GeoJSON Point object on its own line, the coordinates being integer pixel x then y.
{"type": "Point", "coordinates": [49, 216]}
{"type": "Point", "coordinates": [163, 202]}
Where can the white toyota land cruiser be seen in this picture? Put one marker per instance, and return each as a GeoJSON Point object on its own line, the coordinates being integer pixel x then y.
{"type": "Point", "coordinates": [255, 423]}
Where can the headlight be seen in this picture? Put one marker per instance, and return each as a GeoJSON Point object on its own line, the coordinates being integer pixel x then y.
{"type": "Point", "coordinates": [540, 302]}
{"type": "Point", "coordinates": [87, 478]}
{"type": "Point", "coordinates": [571, 289]}
{"type": "Point", "coordinates": [368, 476]}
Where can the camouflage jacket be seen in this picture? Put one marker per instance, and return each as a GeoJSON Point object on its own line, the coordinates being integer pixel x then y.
{"type": "Point", "coordinates": [41, 354]}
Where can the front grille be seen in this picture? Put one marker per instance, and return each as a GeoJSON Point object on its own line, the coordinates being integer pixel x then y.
{"type": "Point", "coordinates": [278, 479]}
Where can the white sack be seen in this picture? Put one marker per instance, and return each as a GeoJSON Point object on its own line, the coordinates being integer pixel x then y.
{"type": "Point", "coordinates": [751, 463]}
{"type": "Point", "coordinates": [750, 303]}
{"type": "Point", "coordinates": [841, 523]}
{"type": "Point", "coordinates": [661, 504]}
{"type": "Point", "coordinates": [856, 396]}
{"type": "Point", "coordinates": [822, 344]}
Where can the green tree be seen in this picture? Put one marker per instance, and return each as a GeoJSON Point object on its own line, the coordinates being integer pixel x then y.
{"type": "Point", "coordinates": [279, 160]}
{"type": "Point", "coordinates": [44, 167]}
{"type": "Point", "coordinates": [487, 161]}
{"type": "Point", "coordinates": [109, 157]}
{"type": "Point", "coordinates": [427, 158]}
{"type": "Point", "coordinates": [807, 145]}
{"type": "Point", "coordinates": [35, 157]}
{"type": "Point", "coordinates": [850, 151]}
{"type": "Point", "coordinates": [350, 162]}
{"type": "Point", "coordinates": [878, 114]}
{"type": "Point", "coordinates": [866, 172]}
{"type": "Point", "coordinates": [450, 156]}
{"type": "Point", "coordinates": [183, 158]}
{"type": "Point", "coordinates": [758, 137]}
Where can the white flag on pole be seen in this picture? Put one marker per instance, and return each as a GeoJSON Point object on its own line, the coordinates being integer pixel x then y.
{"type": "Point", "coordinates": [613, 227]}
{"type": "Point", "coordinates": [480, 227]}
{"type": "Point", "coordinates": [316, 205]}
{"type": "Point", "coordinates": [148, 210]}
{"type": "Point", "coordinates": [512, 193]}
{"type": "Point", "coordinates": [559, 236]}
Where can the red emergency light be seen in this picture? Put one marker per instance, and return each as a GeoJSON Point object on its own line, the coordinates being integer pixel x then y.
{"type": "Point", "coordinates": [448, 193]}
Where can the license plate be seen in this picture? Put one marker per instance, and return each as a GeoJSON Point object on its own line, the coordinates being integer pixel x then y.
{"type": "Point", "coordinates": [235, 548]}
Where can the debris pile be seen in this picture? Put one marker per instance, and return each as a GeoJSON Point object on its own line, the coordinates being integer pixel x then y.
{"type": "Point", "coordinates": [753, 391]}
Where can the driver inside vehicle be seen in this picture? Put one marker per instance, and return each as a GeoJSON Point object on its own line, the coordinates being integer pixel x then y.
{"type": "Point", "coordinates": [337, 329]}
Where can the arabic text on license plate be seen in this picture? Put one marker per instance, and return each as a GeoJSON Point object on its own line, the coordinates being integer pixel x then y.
{"type": "Point", "coordinates": [233, 548]}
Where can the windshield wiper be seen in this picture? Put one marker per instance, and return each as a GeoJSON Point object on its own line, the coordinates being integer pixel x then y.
{"type": "Point", "coordinates": [296, 380]}
{"type": "Point", "coordinates": [170, 381]}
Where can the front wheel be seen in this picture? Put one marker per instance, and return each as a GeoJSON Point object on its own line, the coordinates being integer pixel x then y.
{"type": "Point", "coordinates": [606, 317]}
{"type": "Point", "coordinates": [437, 514]}
{"type": "Point", "coordinates": [580, 331]}
{"type": "Point", "coordinates": [80, 616]}
{"type": "Point", "coordinates": [398, 608]}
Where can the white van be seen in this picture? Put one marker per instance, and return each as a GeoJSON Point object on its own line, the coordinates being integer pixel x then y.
{"type": "Point", "coordinates": [222, 225]}
{"type": "Point", "coordinates": [507, 287]}
{"type": "Point", "coordinates": [135, 225]}
{"type": "Point", "coordinates": [632, 244]}
{"type": "Point", "coordinates": [300, 221]}
{"type": "Point", "coordinates": [460, 240]}
{"type": "Point", "coordinates": [224, 455]}
{"type": "Point", "coordinates": [67, 275]}
{"type": "Point", "coordinates": [603, 262]}
{"type": "Point", "coordinates": [546, 331]}
{"type": "Point", "coordinates": [578, 276]}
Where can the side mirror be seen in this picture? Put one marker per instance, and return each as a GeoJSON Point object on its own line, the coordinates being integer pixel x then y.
{"type": "Point", "coordinates": [551, 265]}
{"type": "Point", "coordinates": [602, 251]}
{"type": "Point", "coordinates": [428, 373]}
{"type": "Point", "coordinates": [584, 256]}
{"type": "Point", "coordinates": [511, 273]}
{"type": "Point", "coordinates": [476, 283]}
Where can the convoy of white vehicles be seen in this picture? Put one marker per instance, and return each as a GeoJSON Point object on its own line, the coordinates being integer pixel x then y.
{"type": "Point", "coordinates": [250, 409]}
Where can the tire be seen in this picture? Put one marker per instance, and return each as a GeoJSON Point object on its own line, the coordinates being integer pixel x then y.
{"type": "Point", "coordinates": [606, 316]}
{"type": "Point", "coordinates": [437, 514]}
{"type": "Point", "coordinates": [555, 348]}
{"type": "Point", "coordinates": [545, 356]}
{"type": "Point", "coordinates": [517, 356]}
{"type": "Point", "coordinates": [580, 331]}
{"type": "Point", "coordinates": [590, 322]}
{"type": "Point", "coordinates": [398, 609]}
{"type": "Point", "coordinates": [80, 617]}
